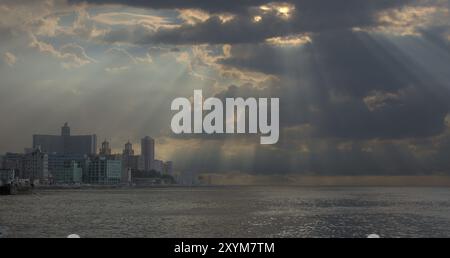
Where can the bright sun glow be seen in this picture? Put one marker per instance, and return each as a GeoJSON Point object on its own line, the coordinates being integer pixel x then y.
{"type": "Point", "coordinates": [290, 41]}
{"type": "Point", "coordinates": [283, 10]}
{"type": "Point", "coordinates": [226, 17]}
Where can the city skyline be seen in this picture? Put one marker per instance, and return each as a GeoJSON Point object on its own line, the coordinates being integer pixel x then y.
{"type": "Point", "coordinates": [75, 159]}
{"type": "Point", "coordinates": [97, 146]}
{"type": "Point", "coordinates": [66, 131]}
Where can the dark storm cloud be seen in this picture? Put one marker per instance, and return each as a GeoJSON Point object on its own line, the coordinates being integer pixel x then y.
{"type": "Point", "coordinates": [348, 86]}
{"type": "Point", "coordinates": [356, 67]}
{"type": "Point", "coordinates": [390, 159]}
{"type": "Point", "coordinates": [384, 158]}
{"type": "Point", "coordinates": [309, 16]}
{"type": "Point", "coordinates": [214, 31]}
{"type": "Point", "coordinates": [6, 34]}
{"type": "Point", "coordinates": [207, 5]}
{"type": "Point", "coordinates": [439, 36]}
{"type": "Point", "coordinates": [309, 7]}
{"type": "Point", "coordinates": [351, 102]}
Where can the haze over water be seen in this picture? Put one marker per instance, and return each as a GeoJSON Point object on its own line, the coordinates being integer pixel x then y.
{"type": "Point", "coordinates": [229, 212]}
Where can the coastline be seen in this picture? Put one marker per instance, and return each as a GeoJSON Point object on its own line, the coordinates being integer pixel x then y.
{"type": "Point", "coordinates": [233, 180]}
{"type": "Point", "coordinates": [327, 181]}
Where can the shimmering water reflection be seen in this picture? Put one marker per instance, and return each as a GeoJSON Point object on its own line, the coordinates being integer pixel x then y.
{"type": "Point", "coordinates": [229, 212]}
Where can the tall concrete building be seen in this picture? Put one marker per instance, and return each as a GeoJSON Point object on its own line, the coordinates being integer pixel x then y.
{"type": "Point", "coordinates": [128, 150]}
{"type": "Point", "coordinates": [66, 143]}
{"type": "Point", "coordinates": [65, 130]}
{"type": "Point", "coordinates": [105, 150]}
{"type": "Point", "coordinates": [147, 153]}
{"type": "Point", "coordinates": [129, 160]}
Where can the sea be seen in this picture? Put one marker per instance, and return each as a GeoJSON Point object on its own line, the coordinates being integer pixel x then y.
{"type": "Point", "coordinates": [229, 212]}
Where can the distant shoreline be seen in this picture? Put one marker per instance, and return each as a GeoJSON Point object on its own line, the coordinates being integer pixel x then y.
{"type": "Point", "coordinates": [230, 180]}
{"type": "Point", "coordinates": [99, 187]}
{"type": "Point", "coordinates": [311, 181]}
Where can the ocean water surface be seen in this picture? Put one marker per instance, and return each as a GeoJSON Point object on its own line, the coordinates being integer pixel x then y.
{"type": "Point", "coordinates": [229, 212]}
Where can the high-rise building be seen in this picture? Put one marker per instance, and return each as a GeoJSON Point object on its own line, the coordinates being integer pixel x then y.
{"type": "Point", "coordinates": [128, 150]}
{"type": "Point", "coordinates": [66, 143]}
{"type": "Point", "coordinates": [105, 150]}
{"type": "Point", "coordinates": [129, 160]}
{"type": "Point", "coordinates": [65, 130]}
{"type": "Point", "coordinates": [147, 153]}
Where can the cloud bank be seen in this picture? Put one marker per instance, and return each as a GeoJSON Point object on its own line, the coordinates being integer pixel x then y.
{"type": "Point", "coordinates": [363, 85]}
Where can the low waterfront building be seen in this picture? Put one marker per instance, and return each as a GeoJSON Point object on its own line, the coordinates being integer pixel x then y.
{"type": "Point", "coordinates": [70, 173]}
{"type": "Point", "coordinates": [168, 168]}
{"type": "Point", "coordinates": [104, 171]}
{"type": "Point", "coordinates": [158, 166]}
{"type": "Point", "coordinates": [58, 164]}
{"type": "Point", "coordinates": [35, 166]}
{"type": "Point", "coordinates": [14, 161]}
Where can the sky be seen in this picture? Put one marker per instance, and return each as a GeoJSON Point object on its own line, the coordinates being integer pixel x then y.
{"type": "Point", "coordinates": [364, 86]}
